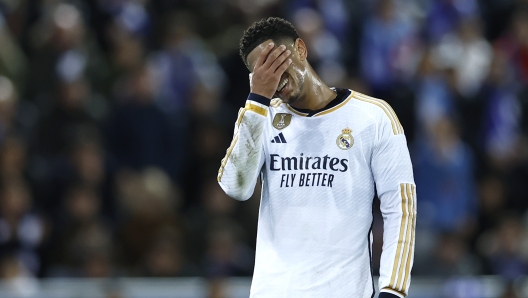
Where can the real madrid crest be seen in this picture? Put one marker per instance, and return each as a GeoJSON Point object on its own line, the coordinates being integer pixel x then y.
{"type": "Point", "coordinates": [281, 120]}
{"type": "Point", "coordinates": [345, 140]}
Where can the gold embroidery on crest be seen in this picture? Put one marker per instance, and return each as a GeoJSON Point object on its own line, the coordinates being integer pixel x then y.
{"type": "Point", "coordinates": [281, 120]}
{"type": "Point", "coordinates": [345, 140]}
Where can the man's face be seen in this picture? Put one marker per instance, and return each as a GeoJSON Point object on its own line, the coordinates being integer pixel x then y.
{"type": "Point", "coordinates": [295, 73]}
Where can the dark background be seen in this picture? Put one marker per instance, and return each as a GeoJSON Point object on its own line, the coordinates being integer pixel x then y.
{"type": "Point", "coordinates": [115, 114]}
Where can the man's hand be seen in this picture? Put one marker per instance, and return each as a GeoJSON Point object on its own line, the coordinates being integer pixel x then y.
{"type": "Point", "coordinates": [268, 70]}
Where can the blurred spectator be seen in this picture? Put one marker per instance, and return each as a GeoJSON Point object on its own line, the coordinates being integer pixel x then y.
{"type": "Point", "coordinates": [326, 54]}
{"type": "Point", "coordinates": [444, 170]}
{"type": "Point", "coordinates": [98, 264]}
{"type": "Point", "coordinates": [149, 206]}
{"type": "Point", "coordinates": [13, 159]}
{"type": "Point", "coordinates": [388, 48]}
{"type": "Point", "coordinates": [19, 282]}
{"type": "Point", "coordinates": [64, 122]}
{"type": "Point", "coordinates": [88, 162]}
{"type": "Point", "coordinates": [505, 246]}
{"type": "Point", "coordinates": [83, 235]}
{"type": "Point", "coordinates": [443, 16]}
{"type": "Point", "coordinates": [22, 231]}
{"type": "Point", "coordinates": [492, 201]}
{"type": "Point", "coordinates": [139, 133]}
{"type": "Point", "coordinates": [435, 97]}
{"type": "Point", "coordinates": [204, 149]}
{"type": "Point", "coordinates": [127, 53]}
{"type": "Point", "coordinates": [16, 116]}
{"type": "Point", "coordinates": [451, 257]}
{"type": "Point", "coordinates": [90, 166]}
{"type": "Point", "coordinates": [510, 291]}
{"type": "Point", "coordinates": [463, 287]}
{"type": "Point", "coordinates": [63, 52]}
{"type": "Point", "coordinates": [226, 255]}
{"type": "Point", "coordinates": [184, 65]}
{"type": "Point", "coordinates": [513, 44]}
{"type": "Point", "coordinates": [502, 115]}
{"type": "Point", "coordinates": [214, 205]}
{"type": "Point", "coordinates": [333, 14]}
{"type": "Point", "coordinates": [13, 60]}
{"type": "Point", "coordinates": [468, 53]}
{"type": "Point", "coordinates": [217, 288]}
{"type": "Point", "coordinates": [166, 257]}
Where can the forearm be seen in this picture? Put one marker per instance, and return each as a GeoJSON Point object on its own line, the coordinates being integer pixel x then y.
{"type": "Point", "coordinates": [244, 158]}
{"type": "Point", "coordinates": [398, 240]}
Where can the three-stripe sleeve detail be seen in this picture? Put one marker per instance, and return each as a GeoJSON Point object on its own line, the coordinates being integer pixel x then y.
{"type": "Point", "coordinates": [397, 128]}
{"type": "Point", "coordinates": [404, 251]}
{"type": "Point", "coordinates": [411, 248]}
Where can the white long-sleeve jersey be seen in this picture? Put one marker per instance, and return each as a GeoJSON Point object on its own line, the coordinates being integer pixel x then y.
{"type": "Point", "coordinates": [320, 171]}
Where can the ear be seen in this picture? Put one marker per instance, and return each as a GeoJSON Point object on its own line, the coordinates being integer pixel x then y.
{"type": "Point", "coordinates": [300, 48]}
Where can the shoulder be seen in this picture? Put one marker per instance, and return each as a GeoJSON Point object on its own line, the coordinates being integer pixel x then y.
{"type": "Point", "coordinates": [379, 109]}
{"type": "Point", "coordinates": [373, 105]}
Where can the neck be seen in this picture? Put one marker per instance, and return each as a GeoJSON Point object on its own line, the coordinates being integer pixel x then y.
{"type": "Point", "coordinates": [316, 94]}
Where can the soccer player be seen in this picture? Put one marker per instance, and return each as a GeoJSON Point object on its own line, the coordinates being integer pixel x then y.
{"type": "Point", "coordinates": [321, 153]}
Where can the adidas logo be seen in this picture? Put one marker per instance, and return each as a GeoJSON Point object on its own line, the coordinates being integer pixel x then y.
{"type": "Point", "coordinates": [279, 139]}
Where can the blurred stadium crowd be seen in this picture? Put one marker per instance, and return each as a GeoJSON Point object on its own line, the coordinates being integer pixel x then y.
{"type": "Point", "coordinates": [115, 114]}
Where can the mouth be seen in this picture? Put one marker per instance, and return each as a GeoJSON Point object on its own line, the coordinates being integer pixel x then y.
{"type": "Point", "coordinates": [283, 87]}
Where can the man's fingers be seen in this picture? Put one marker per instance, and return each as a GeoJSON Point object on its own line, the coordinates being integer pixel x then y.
{"type": "Point", "coordinates": [263, 55]}
{"type": "Point", "coordinates": [279, 60]}
{"type": "Point", "coordinates": [274, 55]}
{"type": "Point", "coordinates": [282, 68]}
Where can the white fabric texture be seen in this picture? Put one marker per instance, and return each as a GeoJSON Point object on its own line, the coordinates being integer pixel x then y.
{"type": "Point", "coordinates": [314, 228]}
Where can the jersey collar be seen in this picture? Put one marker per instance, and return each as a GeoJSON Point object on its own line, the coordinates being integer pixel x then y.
{"type": "Point", "coordinates": [342, 95]}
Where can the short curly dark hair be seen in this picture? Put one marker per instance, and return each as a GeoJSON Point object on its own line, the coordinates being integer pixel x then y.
{"type": "Point", "coordinates": [272, 28]}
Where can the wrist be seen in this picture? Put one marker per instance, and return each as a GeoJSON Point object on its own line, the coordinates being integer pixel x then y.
{"type": "Point", "coordinates": [264, 93]}
{"type": "Point", "coordinates": [259, 98]}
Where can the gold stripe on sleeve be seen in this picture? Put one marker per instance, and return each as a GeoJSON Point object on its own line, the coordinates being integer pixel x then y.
{"type": "Point", "coordinates": [225, 159]}
{"type": "Point", "coordinates": [394, 114]}
{"type": "Point", "coordinates": [405, 257]}
{"type": "Point", "coordinates": [240, 116]}
{"type": "Point", "coordinates": [241, 113]}
{"type": "Point", "coordinates": [408, 266]}
{"type": "Point", "coordinates": [386, 104]}
{"type": "Point", "coordinates": [254, 108]}
{"type": "Point", "coordinates": [403, 223]}
{"type": "Point", "coordinates": [397, 128]}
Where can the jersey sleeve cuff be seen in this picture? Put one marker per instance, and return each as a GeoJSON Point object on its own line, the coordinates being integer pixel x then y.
{"type": "Point", "coordinates": [254, 104]}
{"type": "Point", "coordinates": [389, 295]}
{"type": "Point", "coordinates": [259, 98]}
